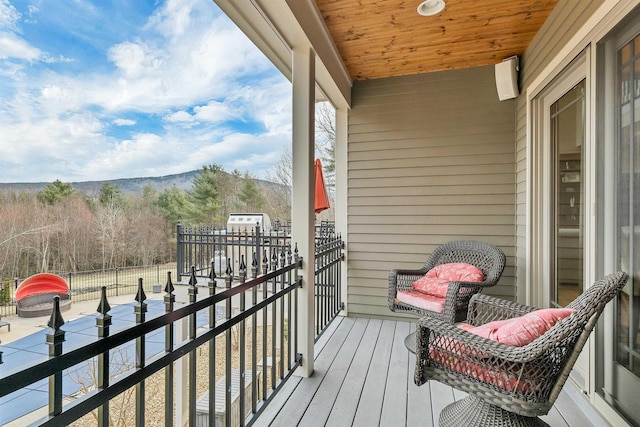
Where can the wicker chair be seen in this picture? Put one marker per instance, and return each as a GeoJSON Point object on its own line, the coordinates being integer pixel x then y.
{"type": "Point", "coordinates": [486, 257]}
{"type": "Point", "coordinates": [507, 385]}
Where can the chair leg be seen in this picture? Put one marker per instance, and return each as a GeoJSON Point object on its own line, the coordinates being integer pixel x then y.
{"type": "Point", "coordinates": [475, 412]}
{"type": "Point", "coordinates": [410, 342]}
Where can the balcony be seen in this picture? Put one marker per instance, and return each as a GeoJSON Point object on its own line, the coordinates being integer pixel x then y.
{"type": "Point", "coordinates": [364, 377]}
{"type": "Point", "coordinates": [363, 374]}
{"type": "Point", "coordinates": [213, 336]}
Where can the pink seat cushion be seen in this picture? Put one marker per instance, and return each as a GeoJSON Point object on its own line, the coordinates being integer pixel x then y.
{"type": "Point", "coordinates": [421, 300]}
{"type": "Point", "coordinates": [436, 281]}
{"type": "Point", "coordinates": [461, 358]}
{"type": "Point", "coordinates": [522, 330]}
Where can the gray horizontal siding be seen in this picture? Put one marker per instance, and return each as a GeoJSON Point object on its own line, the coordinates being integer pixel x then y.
{"type": "Point", "coordinates": [431, 158]}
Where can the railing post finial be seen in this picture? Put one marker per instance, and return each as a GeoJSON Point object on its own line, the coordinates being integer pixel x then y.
{"type": "Point", "coordinates": [56, 338]}
{"type": "Point", "coordinates": [254, 265]}
{"type": "Point", "coordinates": [193, 290]}
{"type": "Point", "coordinates": [140, 296]}
{"type": "Point", "coordinates": [168, 288]}
{"type": "Point", "coordinates": [141, 308]}
{"type": "Point", "coordinates": [229, 274]}
{"type": "Point", "coordinates": [104, 320]}
{"type": "Point", "coordinates": [243, 269]}
{"type": "Point", "coordinates": [212, 274]}
{"type": "Point", "coordinates": [274, 259]}
{"type": "Point", "coordinates": [265, 262]}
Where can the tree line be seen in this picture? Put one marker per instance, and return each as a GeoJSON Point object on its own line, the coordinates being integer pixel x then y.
{"type": "Point", "coordinates": [59, 229]}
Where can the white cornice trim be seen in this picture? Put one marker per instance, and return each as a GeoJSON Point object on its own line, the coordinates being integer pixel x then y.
{"type": "Point", "coordinates": [311, 21]}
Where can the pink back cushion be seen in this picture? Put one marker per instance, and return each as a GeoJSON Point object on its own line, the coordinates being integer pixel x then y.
{"type": "Point", "coordinates": [521, 330]}
{"type": "Point", "coordinates": [436, 281]}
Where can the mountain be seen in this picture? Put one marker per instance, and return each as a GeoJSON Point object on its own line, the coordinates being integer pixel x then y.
{"type": "Point", "coordinates": [183, 181]}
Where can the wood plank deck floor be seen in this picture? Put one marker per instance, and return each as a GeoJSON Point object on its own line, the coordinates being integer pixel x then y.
{"type": "Point", "coordinates": [363, 376]}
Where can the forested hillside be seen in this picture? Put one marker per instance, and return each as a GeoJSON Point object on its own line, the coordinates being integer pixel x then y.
{"type": "Point", "coordinates": [61, 228]}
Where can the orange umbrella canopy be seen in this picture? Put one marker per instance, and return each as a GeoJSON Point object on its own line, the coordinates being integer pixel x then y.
{"type": "Point", "coordinates": [41, 283]}
{"type": "Point", "coordinates": [321, 195]}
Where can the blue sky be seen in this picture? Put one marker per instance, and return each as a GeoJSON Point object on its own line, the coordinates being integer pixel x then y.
{"type": "Point", "coordinates": [106, 89]}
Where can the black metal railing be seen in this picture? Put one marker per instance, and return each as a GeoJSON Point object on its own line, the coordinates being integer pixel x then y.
{"type": "Point", "coordinates": [207, 246]}
{"type": "Point", "coordinates": [214, 248]}
{"type": "Point", "coordinates": [211, 247]}
{"type": "Point", "coordinates": [328, 269]}
{"type": "Point", "coordinates": [248, 334]}
{"type": "Point", "coordinates": [87, 285]}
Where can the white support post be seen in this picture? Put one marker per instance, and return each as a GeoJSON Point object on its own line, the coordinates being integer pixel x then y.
{"type": "Point", "coordinates": [340, 156]}
{"type": "Point", "coordinates": [302, 212]}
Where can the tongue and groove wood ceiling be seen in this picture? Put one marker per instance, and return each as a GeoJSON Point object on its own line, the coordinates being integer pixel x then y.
{"type": "Point", "coordinates": [383, 38]}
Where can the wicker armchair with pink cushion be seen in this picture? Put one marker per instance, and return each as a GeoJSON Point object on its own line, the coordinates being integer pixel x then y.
{"type": "Point", "coordinates": [452, 274]}
{"type": "Point", "coordinates": [511, 359]}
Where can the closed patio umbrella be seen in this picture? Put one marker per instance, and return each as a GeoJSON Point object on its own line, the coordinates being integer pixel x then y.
{"type": "Point", "coordinates": [321, 196]}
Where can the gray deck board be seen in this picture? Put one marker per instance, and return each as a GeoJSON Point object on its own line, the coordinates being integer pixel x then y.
{"type": "Point", "coordinates": [280, 399]}
{"type": "Point", "coordinates": [368, 412]}
{"type": "Point", "coordinates": [395, 395]}
{"type": "Point", "coordinates": [325, 397]}
{"type": "Point", "coordinates": [364, 377]}
{"type": "Point", "coordinates": [294, 409]}
{"type": "Point", "coordinates": [349, 396]}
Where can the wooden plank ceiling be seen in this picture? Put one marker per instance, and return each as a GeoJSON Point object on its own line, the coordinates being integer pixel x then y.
{"type": "Point", "coordinates": [383, 38]}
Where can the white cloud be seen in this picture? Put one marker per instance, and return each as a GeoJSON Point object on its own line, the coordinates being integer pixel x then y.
{"type": "Point", "coordinates": [57, 59]}
{"type": "Point", "coordinates": [124, 122]}
{"type": "Point", "coordinates": [187, 66]}
{"type": "Point", "coordinates": [9, 16]}
{"type": "Point", "coordinates": [179, 117]}
{"type": "Point", "coordinates": [31, 155]}
{"type": "Point", "coordinates": [215, 112]}
{"type": "Point", "coordinates": [135, 59]}
{"type": "Point", "coordinates": [13, 47]}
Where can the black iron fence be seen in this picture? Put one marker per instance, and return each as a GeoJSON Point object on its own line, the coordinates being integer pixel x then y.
{"type": "Point", "coordinates": [87, 285]}
{"type": "Point", "coordinates": [328, 269]}
{"type": "Point", "coordinates": [221, 250]}
{"type": "Point", "coordinates": [242, 338]}
{"type": "Point", "coordinates": [214, 248]}
{"type": "Point", "coordinates": [222, 356]}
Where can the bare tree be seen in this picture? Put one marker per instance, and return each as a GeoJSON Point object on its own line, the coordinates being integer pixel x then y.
{"type": "Point", "coordinates": [110, 233]}
{"type": "Point", "coordinates": [121, 408]}
{"type": "Point", "coordinates": [282, 170]}
{"type": "Point", "coordinates": [326, 142]}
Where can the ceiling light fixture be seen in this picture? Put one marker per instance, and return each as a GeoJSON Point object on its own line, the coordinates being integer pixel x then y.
{"type": "Point", "coordinates": [431, 7]}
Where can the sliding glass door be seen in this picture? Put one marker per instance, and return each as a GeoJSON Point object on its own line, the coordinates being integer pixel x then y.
{"type": "Point", "coordinates": [567, 137]}
{"type": "Point", "coordinates": [619, 380]}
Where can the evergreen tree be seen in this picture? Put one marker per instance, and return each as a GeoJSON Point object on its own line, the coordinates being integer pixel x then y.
{"type": "Point", "coordinates": [111, 194]}
{"type": "Point", "coordinates": [205, 195]}
{"type": "Point", "coordinates": [55, 192]}
{"type": "Point", "coordinates": [175, 205]}
{"type": "Point", "coordinates": [251, 195]}
{"type": "Point", "coordinates": [149, 195]}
